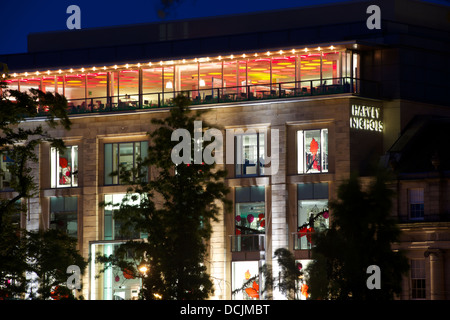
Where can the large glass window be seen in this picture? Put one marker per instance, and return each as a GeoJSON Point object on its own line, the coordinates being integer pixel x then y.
{"type": "Point", "coordinates": [302, 292]}
{"type": "Point", "coordinates": [30, 83]}
{"type": "Point", "coordinates": [187, 80]}
{"type": "Point", "coordinates": [250, 154]}
{"type": "Point", "coordinates": [242, 272]}
{"type": "Point", "coordinates": [312, 148]}
{"type": "Point", "coordinates": [168, 84]}
{"type": "Point", "coordinates": [418, 288]}
{"type": "Point", "coordinates": [5, 175]}
{"type": "Point", "coordinates": [97, 91]}
{"type": "Point", "coordinates": [151, 86]}
{"type": "Point", "coordinates": [269, 74]}
{"type": "Point", "coordinates": [283, 71]}
{"type": "Point", "coordinates": [128, 88]}
{"type": "Point", "coordinates": [416, 203]}
{"type": "Point", "coordinates": [310, 74]}
{"type": "Point", "coordinates": [312, 204]}
{"type": "Point", "coordinates": [64, 167]}
{"type": "Point", "coordinates": [250, 218]}
{"type": "Point", "coordinates": [112, 226]}
{"type": "Point", "coordinates": [259, 76]}
{"type": "Point", "coordinates": [210, 80]}
{"type": "Point", "coordinates": [75, 92]}
{"type": "Point", "coordinates": [113, 283]}
{"type": "Point", "coordinates": [122, 154]}
{"type": "Point", "coordinates": [63, 215]}
{"type": "Point", "coordinates": [330, 67]}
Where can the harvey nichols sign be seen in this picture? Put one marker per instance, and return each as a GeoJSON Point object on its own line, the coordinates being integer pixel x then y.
{"type": "Point", "coordinates": [366, 118]}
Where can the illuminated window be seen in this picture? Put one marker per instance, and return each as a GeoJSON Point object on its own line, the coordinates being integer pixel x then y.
{"type": "Point", "coordinates": [250, 154]}
{"type": "Point", "coordinates": [128, 88]}
{"type": "Point", "coordinates": [53, 84]}
{"type": "Point", "coordinates": [241, 273]}
{"type": "Point", "coordinates": [112, 227]}
{"type": "Point", "coordinates": [312, 203]}
{"type": "Point", "coordinates": [63, 215]}
{"type": "Point", "coordinates": [250, 210]}
{"type": "Point", "coordinates": [75, 92]}
{"type": "Point", "coordinates": [5, 174]}
{"type": "Point", "coordinates": [168, 85]}
{"type": "Point", "coordinates": [302, 293]}
{"type": "Point", "coordinates": [250, 219]}
{"type": "Point", "coordinates": [64, 167]}
{"type": "Point", "coordinates": [151, 86]}
{"type": "Point", "coordinates": [418, 289]}
{"type": "Point", "coordinates": [416, 203]}
{"type": "Point", "coordinates": [125, 154]}
{"type": "Point", "coordinates": [30, 83]}
{"type": "Point", "coordinates": [112, 283]}
{"type": "Point", "coordinates": [97, 91]}
{"type": "Point", "coordinates": [312, 150]}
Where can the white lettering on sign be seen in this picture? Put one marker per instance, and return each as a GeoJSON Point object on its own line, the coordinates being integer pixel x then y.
{"type": "Point", "coordinates": [366, 118]}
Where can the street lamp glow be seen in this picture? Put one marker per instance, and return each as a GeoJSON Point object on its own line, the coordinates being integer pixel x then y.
{"type": "Point", "coordinates": [143, 269]}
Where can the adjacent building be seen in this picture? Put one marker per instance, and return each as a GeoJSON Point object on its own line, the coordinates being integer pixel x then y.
{"type": "Point", "coordinates": [314, 86]}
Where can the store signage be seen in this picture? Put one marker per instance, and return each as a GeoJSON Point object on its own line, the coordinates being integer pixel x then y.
{"type": "Point", "coordinates": [366, 118]}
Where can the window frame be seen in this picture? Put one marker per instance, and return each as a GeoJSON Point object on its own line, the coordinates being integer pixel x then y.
{"type": "Point", "coordinates": [241, 166]}
{"type": "Point", "coordinates": [111, 229]}
{"type": "Point", "coordinates": [54, 168]}
{"type": "Point", "coordinates": [314, 192]}
{"type": "Point", "coordinates": [4, 172]}
{"type": "Point", "coordinates": [109, 166]}
{"type": "Point", "coordinates": [414, 202]}
{"type": "Point", "coordinates": [418, 279]}
{"type": "Point", "coordinates": [324, 151]}
{"type": "Point", "coordinates": [63, 212]}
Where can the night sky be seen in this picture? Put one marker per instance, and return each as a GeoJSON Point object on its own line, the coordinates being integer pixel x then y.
{"type": "Point", "coordinates": [19, 18]}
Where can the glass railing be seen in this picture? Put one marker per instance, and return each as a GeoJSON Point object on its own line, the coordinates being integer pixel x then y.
{"type": "Point", "coordinates": [225, 95]}
{"type": "Point", "coordinates": [247, 242]}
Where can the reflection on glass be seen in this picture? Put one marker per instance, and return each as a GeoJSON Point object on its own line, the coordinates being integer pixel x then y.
{"type": "Point", "coordinates": [114, 283]}
{"type": "Point", "coordinates": [97, 91]}
{"type": "Point", "coordinates": [5, 175]}
{"type": "Point", "coordinates": [30, 83]}
{"type": "Point", "coordinates": [250, 218]}
{"type": "Point", "coordinates": [112, 227]}
{"type": "Point", "coordinates": [63, 215]}
{"type": "Point", "coordinates": [228, 78]}
{"type": "Point", "coordinates": [283, 71]}
{"type": "Point", "coordinates": [309, 209]}
{"type": "Point", "coordinates": [250, 153]}
{"type": "Point", "coordinates": [122, 154]}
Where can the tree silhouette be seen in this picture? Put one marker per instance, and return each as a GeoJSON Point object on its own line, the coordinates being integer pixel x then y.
{"type": "Point", "coordinates": [176, 208]}
{"type": "Point", "coordinates": [19, 140]}
{"type": "Point", "coordinates": [361, 234]}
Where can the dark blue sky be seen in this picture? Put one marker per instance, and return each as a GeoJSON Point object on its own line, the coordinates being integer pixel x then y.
{"type": "Point", "coordinates": [19, 18]}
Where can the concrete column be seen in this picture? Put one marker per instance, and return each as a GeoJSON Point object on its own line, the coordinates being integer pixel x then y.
{"type": "Point", "coordinates": [436, 273]}
{"type": "Point", "coordinates": [278, 199]}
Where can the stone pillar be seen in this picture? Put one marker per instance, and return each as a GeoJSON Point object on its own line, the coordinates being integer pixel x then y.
{"type": "Point", "coordinates": [218, 257]}
{"type": "Point", "coordinates": [89, 200]}
{"type": "Point", "coordinates": [278, 199]}
{"type": "Point", "coordinates": [436, 273]}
